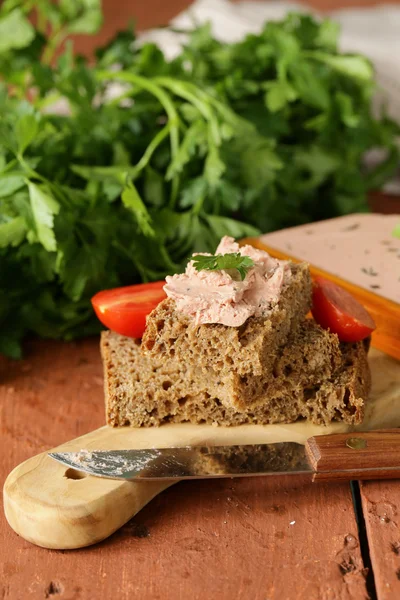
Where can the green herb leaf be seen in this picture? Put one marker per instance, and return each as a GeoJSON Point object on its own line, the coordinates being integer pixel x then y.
{"type": "Point", "coordinates": [85, 16]}
{"type": "Point", "coordinates": [396, 231]}
{"type": "Point", "coordinates": [347, 111]}
{"type": "Point", "coordinates": [278, 95]}
{"type": "Point", "coordinates": [356, 67]}
{"type": "Point", "coordinates": [309, 86]}
{"type": "Point", "coordinates": [12, 233]}
{"type": "Point", "coordinates": [134, 203]}
{"type": "Point", "coordinates": [15, 31]}
{"type": "Point", "coordinates": [221, 226]}
{"type": "Point", "coordinates": [328, 34]}
{"type": "Point", "coordinates": [214, 167]}
{"type": "Point", "coordinates": [10, 184]}
{"type": "Point", "coordinates": [44, 207]}
{"type": "Point", "coordinates": [26, 129]}
{"type": "Point", "coordinates": [10, 345]}
{"type": "Point", "coordinates": [233, 261]}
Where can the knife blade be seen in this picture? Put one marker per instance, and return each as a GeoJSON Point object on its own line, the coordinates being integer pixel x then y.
{"type": "Point", "coordinates": [189, 462]}
{"type": "Point", "coordinates": [373, 455]}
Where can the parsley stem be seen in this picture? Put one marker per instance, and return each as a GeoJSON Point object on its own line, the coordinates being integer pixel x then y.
{"type": "Point", "coordinates": [30, 173]}
{"type": "Point", "coordinates": [225, 111]}
{"type": "Point", "coordinates": [164, 99]}
{"type": "Point", "coordinates": [155, 142]}
{"type": "Point", "coordinates": [180, 88]}
{"type": "Point", "coordinates": [9, 166]}
{"type": "Point", "coordinates": [56, 40]}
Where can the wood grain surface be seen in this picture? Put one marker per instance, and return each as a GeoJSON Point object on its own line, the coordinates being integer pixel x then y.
{"type": "Point", "coordinates": [247, 539]}
{"type": "Point", "coordinates": [381, 507]}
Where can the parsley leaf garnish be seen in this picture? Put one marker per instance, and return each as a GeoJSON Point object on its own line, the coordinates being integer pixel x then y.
{"type": "Point", "coordinates": [224, 262]}
{"type": "Point", "coordinates": [396, 231]}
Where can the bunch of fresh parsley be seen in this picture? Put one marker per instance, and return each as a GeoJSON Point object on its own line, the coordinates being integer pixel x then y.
{"type": "Point", "coordinates": [127, 182]}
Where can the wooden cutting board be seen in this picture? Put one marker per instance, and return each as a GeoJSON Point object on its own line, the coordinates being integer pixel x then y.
{"type": "Point", "coordinates": [55, 507]}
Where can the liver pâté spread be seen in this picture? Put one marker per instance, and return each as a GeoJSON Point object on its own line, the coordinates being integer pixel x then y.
{"type": "Point", "coordinates": [220, 297]}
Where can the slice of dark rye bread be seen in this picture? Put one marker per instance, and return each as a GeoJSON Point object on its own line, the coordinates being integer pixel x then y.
{"type": "Point", "coordinates": [149, 390]}
{"type": "Point", "coordinates": [251, 348]}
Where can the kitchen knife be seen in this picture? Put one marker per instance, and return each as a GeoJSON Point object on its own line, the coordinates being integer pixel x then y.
{"type": "Point", "coordinates": [373, 455]}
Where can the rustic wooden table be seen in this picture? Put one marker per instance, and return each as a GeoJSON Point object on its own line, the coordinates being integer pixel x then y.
{"type": "Point", "coordinates": [267, 539]}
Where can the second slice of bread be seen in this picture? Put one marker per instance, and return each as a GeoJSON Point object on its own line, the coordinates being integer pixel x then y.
{"type": "Point", "coordinates": [147, 390]}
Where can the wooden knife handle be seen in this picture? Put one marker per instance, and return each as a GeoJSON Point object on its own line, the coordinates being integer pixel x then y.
{"type": "Point", "coordinates": [346, 456]}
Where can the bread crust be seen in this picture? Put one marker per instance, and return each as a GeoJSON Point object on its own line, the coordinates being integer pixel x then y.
{"type": "Point", "coordinates": [149, 390]}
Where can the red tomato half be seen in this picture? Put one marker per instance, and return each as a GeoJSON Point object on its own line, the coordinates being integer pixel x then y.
{"type": "Point", "coordinates": [334, 308]}
{"type": "Point", "coordinates": [125, 309]}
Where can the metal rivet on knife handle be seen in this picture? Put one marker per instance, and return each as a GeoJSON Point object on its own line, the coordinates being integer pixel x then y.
{"type": "Point", "coordinates": [356, 443]}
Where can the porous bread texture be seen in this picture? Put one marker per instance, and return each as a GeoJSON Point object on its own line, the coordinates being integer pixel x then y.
{"type": "Point", "coordinates": [310, 355]}
{"type": "Point", "coordinates": [149, 390]}
{"type": "Point", "coordinates": [249, 349]}
{"type": "Point", "coordinates": [347, 392]}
